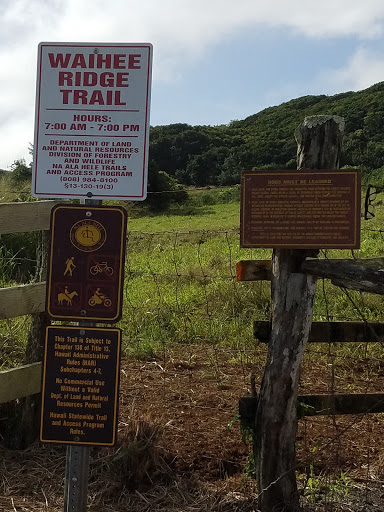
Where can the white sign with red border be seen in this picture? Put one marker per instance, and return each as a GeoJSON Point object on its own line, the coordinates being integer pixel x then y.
{"type": "Point", "coordinates": [92, 121]}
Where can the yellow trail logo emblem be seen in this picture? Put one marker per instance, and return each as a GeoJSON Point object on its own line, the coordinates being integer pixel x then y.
{"type": "Point", "coordinates": [88, 235]}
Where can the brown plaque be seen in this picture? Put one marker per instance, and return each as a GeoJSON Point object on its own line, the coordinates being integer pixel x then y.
{"type": "Point", "coordinates": [80, 385]}
{"type": "Point", "coordinates": [301, 209]}
{"type": "Point", "coordinates": [86, 265]}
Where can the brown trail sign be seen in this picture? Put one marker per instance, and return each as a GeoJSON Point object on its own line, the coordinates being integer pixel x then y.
{"type": "Point", "coordinates": [85, 283]}
{"type": "Point", "coordinates": [80, 385]}
{"type": "Point", "coordinates": [300, 209]}
{"type": "Point", "coordinates": [86, 264]}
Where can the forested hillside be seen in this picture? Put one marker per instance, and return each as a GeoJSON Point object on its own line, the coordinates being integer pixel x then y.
{"type": "Point", "coordinates": [215, 155]}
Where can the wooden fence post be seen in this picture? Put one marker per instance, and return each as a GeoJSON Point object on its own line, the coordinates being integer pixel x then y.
{"type": "Point", "coordinates": [26, 423]}
{"type": "Point", "coordinates": [319, 146]}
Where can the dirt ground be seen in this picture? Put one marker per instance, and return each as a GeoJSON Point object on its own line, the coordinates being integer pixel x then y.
{"type": "Point", "coordinates": [177, 453]}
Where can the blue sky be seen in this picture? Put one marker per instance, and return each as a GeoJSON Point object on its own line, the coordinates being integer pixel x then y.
{"type": "Point", "coordinates": [214, 60]}
{"type": "Point", "coordinates": [249, 71]}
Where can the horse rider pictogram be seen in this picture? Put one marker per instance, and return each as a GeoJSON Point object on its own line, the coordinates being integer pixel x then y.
{"type": "Point", "coordinates": [67, 297]}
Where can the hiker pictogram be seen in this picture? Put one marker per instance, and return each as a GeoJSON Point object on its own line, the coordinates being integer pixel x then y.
{"type": "Point", "coordinates": [66, 296]}
{"type": "Point", "coordinates": [99, 298]}
{"type": "Point", "coordinates": [69, 266]}
{"type": "Point", "coordinates": [101, 267]}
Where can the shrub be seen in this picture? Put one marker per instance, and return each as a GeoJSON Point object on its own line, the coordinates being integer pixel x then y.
{"type": "Point", "coordinates": [18, 256]}
{"type": "Point", "coordinates": [163, 190]}
{"type": "Point", "coordinates": [21, 171]}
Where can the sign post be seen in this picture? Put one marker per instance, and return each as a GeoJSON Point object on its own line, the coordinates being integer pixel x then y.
{"type": "Point", "coordinates": [91, 143]}
{"type": "Point", "coordinates": [76, 479]}
{"type": "Point", "coordinates": [77, 457]}
{"type": "Point", "coordinates": [92, 121]}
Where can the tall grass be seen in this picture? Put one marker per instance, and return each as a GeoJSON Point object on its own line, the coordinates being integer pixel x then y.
{"type": "Point", "coordinates": [181, 288]}
{"type": "Point", "coordinates": [180, 284]}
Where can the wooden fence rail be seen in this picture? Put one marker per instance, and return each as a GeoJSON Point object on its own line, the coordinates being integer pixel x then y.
{"type": "Point", "coordinates": [25, 217]}
{"type": "Point", "coordinates": [366, 274]}
{"type": "Point", "coordinates": [24, 299]}
{"type": "Point", "coordinates": [331, 332]}
{"type": "Point", "coordinates": [320, 405]}
{"type": "Point", "coordinates": [20, 382]}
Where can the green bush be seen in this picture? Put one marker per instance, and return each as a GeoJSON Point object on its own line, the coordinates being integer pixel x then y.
{"type": "Point", "coordinates": [18, 256]}
{"type": "Point", "coordinates": [21, 171]}
{"type": "Point", "coordinates": [230, 195]}
{"type": "Point", "coordinates": [211, 196]}
{"type": "Point", "coordinates": [163, 190]}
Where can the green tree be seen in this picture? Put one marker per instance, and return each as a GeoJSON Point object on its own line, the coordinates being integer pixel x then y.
{"type": "Point", "coordinates": [163, 189]}
{"type": "Point", "coordinates": [204, 169]}
{"type": "Point", "coordinates": [21, 171]}
{"type": "Point", "coordinates": [188, 152]}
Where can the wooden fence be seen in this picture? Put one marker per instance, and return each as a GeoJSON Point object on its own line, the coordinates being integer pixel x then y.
{"type": "Point", "coordinates": [25, 299]}
{"type": "Point", "coordinates": [30, 298]}
{"type": "Point", "coordinates": [360, 274]}
{"type": "Point", "coordinates": [366, 275]}
{"type": "Point", "coordinates": [273, 412]}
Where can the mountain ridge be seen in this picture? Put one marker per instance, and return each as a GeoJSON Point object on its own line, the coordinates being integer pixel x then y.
{"type": "Point", "coordinates": [216, 155]}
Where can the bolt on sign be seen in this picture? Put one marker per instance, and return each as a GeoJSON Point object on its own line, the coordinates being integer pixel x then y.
{"type": "Point", "coordinates": [80, 389]}
{"type": "Point", "coordinates": [86, 262]}
{"type": "Point", "coordinates": [92, 120]}
{"type": "Point", "coordinates": [301, 209]}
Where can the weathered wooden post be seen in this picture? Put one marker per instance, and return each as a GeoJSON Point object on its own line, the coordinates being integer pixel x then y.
{"type": "Point", "coordinates": [27, 414]}
{"type": "Point", "coordinates": [292, 292]}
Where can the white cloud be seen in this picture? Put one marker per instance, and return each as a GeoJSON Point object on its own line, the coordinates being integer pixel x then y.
{"type": "Point", "coordinates": [193, 23]}
{"type": "Point", "coordinates": [362, 70]}
{"type": "Point", "coordinates": [183, 28]}
{"type": "Point", "coordinates": [180, 30]}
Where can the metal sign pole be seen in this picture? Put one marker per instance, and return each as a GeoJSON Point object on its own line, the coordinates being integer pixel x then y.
{"type": "Point", "coordinates": [77, 459]}
{"type": "Point", "coordinates": [76, 479]}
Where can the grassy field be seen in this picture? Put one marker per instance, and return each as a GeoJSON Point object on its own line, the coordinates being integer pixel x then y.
{"type": "Point", "coordinates": [180, 281]}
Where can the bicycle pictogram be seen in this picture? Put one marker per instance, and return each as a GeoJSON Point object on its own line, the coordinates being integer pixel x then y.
{"type": "Point", "coordinates": [101, 268]}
